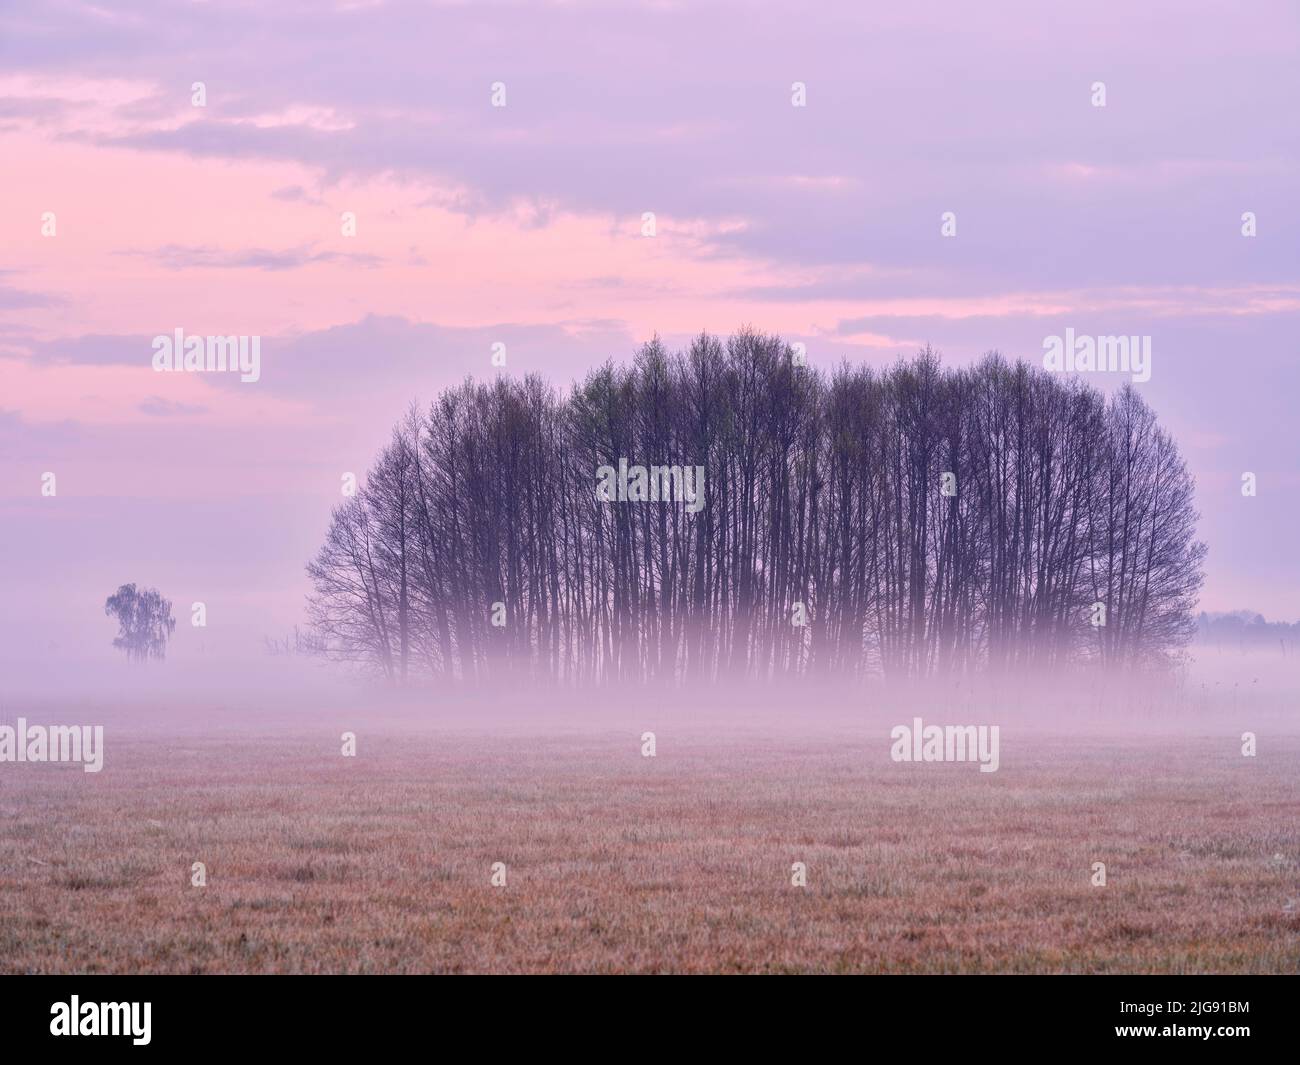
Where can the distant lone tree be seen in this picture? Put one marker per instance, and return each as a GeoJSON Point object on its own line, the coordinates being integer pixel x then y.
{"type": "Point", "coordinates": [144, 620]}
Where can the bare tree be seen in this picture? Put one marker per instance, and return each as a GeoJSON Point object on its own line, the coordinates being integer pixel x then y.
{"type": "Point", "coordinates": [910, 522]}
{"type": "Point", "coordinates": [144, 621]}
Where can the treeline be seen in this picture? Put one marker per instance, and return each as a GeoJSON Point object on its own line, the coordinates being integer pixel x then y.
{"type": "Point", "coordinates": [1246, 629]}
{"type": "Point", "coordinates": [913, 521]}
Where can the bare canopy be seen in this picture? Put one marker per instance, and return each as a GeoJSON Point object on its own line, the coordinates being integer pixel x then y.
{"type": "Point", "coordinates": [907, 522]}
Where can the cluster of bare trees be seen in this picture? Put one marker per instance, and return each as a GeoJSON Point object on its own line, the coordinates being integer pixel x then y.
{"type": "Point", "coordinates": [907, 522]}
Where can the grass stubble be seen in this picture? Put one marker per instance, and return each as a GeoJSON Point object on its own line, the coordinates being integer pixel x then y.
{"type": "Point", "coordinates": [318, 863]}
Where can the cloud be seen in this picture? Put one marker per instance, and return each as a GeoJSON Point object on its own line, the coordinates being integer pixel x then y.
{"type": "Point", "coordinates": [202, 257]}
{"type": "Point", "coordinates": [156, 406]}
{"type": "Point", "coordinates": [390, 357]}
{"type": "Point", "coordinates": [93, 350]}
{"type": "Point", "coordinates": [15, 298]}
{"type": "Point", "coordinates": [295, 194]}
{"type": "Point", "coordinates": [1047, 188]}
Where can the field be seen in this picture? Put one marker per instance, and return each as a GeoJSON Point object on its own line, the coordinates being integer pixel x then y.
{"type": "Point", "coordinates": [677, 863]}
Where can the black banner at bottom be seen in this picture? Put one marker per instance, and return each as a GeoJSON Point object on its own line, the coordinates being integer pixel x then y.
{"type": "Point", "coordinates": [141, 1014]}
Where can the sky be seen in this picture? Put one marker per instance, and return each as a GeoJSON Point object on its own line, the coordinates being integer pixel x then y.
{"type": "Point", "coordinates": [127, 210]}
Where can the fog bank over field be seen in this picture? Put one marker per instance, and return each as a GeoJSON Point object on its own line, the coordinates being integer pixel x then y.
{"type": "Point", "coordinates": [1219, 690]}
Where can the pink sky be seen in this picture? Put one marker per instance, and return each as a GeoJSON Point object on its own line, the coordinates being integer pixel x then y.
{"type": "Point", "coordinates": [523, 225]}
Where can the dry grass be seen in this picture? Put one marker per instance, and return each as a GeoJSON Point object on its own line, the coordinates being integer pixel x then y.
{"type": "Point", "coordinates": [381, 863]}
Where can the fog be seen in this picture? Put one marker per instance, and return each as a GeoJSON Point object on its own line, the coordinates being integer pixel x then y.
{"type": "Point", "coordinates": [1218, 691]}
